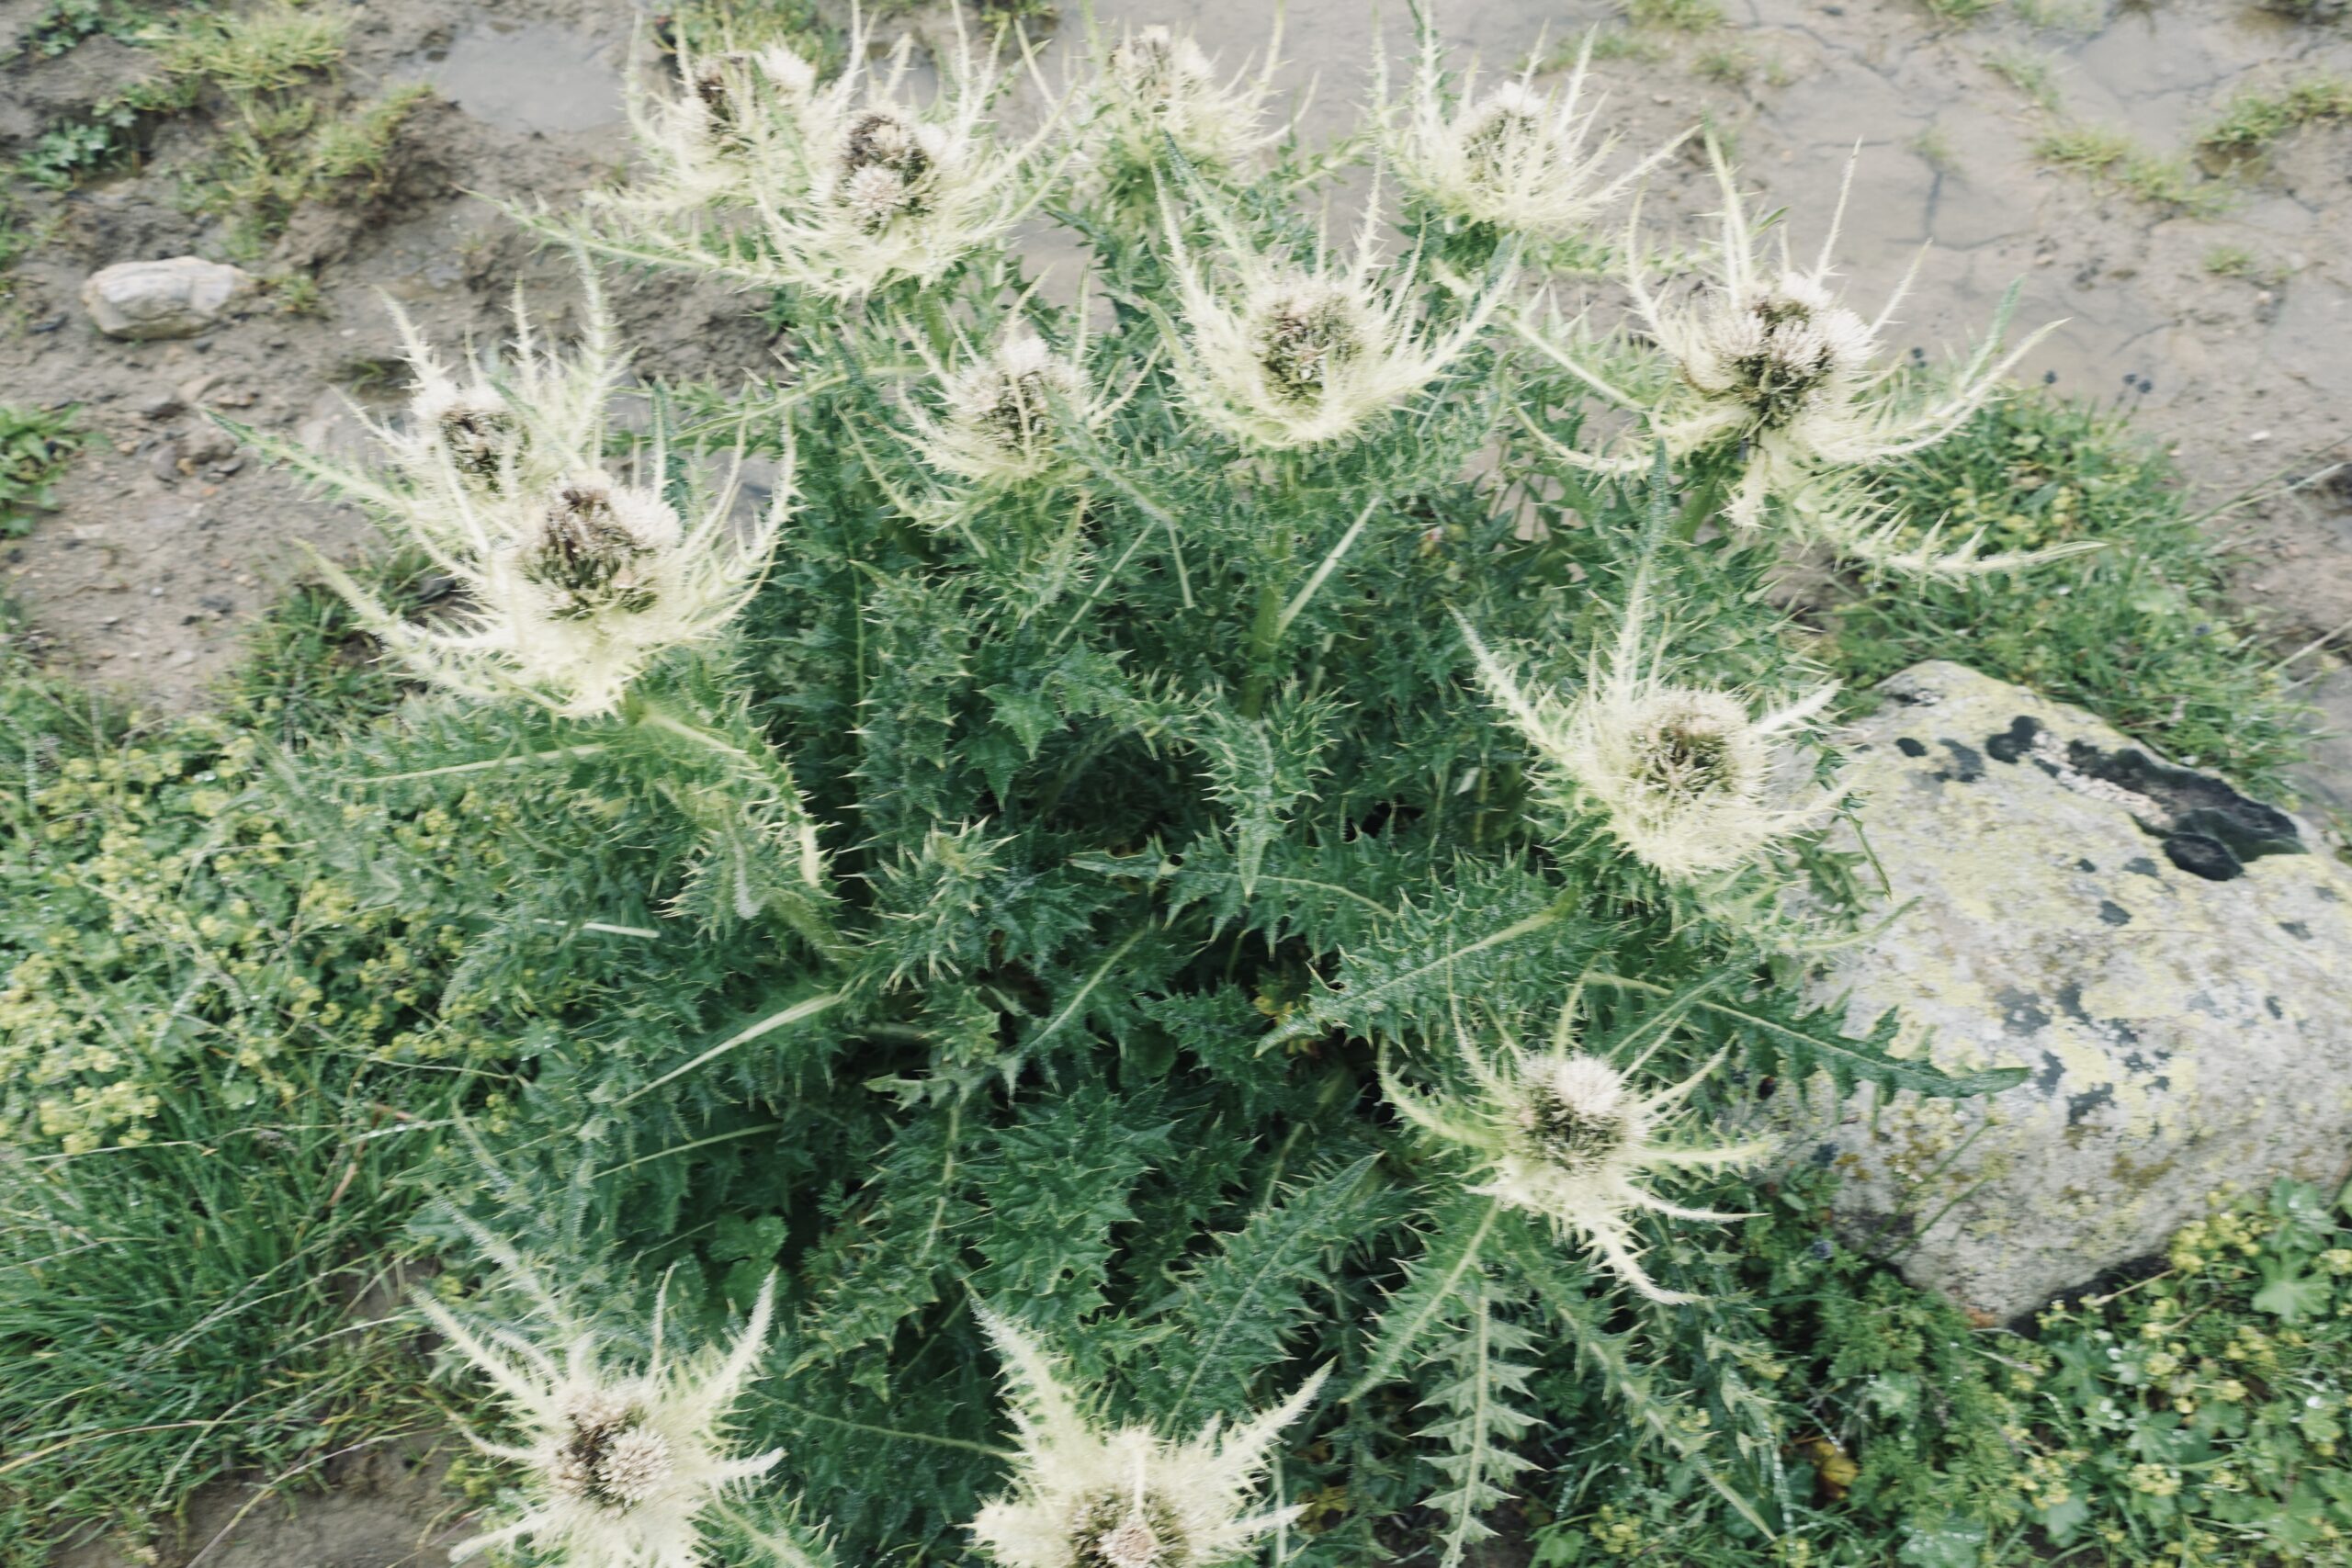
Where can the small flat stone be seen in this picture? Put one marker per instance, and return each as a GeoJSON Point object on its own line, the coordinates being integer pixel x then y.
{"type": "Point", "coordinates": [178, 298]}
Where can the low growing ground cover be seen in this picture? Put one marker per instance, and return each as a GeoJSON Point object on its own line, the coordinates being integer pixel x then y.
{"type": "Point", "coordinates": [1065, 871]}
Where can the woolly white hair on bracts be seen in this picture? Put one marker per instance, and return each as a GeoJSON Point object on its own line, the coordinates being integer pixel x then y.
{"type": "Point", "coordinates": [1155, 83]}
{"type": "Point", "coordinates": [1771, 364]}
{"type": "Point", "coordinates": [1084, 1498]}
{"type": "Point", "coordinates": [1689, 780]}
{"type": "Point", "coordinates": [840, 190]}
{"type": "Point", "coordinates": [1570, 1137]}
{"type": "Point", "coordinates": [1511, 158]}
{"type": "Point", "coordinates": [621, 1464]}
{"type": "Point", "coordinates": [1279, 353]}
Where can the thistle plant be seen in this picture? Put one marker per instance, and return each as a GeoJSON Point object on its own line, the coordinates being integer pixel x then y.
{"type": "Point", "coordinates": [1510, 159]}
{"type": "Point", "coordinates": [621, 1464]}
{"type": "Point", "coordinates": [1570, 1137]}
{"type": "Point", "coordinates": [1001, 416]}
{"type": "Point", "coordinates": [1781, 378]}
{"type": "Point", "coordinates": [1085, 1497]}
{"type": "Point", "coordinates": [573, 578]}
{"type": "Point", "coordinates": [1155, 812]}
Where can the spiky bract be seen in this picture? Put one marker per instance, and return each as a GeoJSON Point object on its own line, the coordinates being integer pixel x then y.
{"type": "Point", "coordinates": [1085, 1497]}
{"type": "Point", "coordinates": [1570, 1137]}
{"type": "Point", "coordinates": [573, 578]}
{"type": "Point", "coordinates": [758, 173]}
{"type": "Point", "coordinates": [1510, 158]}
{"type": "Point", "coordinates": [1282, 354]}
{"type": "Point", "coordinates": [620, 1464]}
{"type": "Point", "coordinates": [1772, 367]}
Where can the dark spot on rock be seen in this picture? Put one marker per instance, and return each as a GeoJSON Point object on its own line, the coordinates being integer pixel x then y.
{"type": "Point", "coordinates": [2081, 1105]}
{"type": "Point", "coordinates": [1968, 762]}
{"type": "Point", "coordinates": [2070, 1002]}
{"type": "Point", "coordinates": [2276, 1010]}
{"type": "Point", "coordinates": [2112, 913]}
{"type": "Point", "coordinates": [2085, 864]}
{"type": "Point", "coordinates": [1909, 747]}
{"type": "Point", "coordinates": [2143, 866]}
{"type": "Point", "coordinates": [2186, 802]}
{"type": "Point", "coordinates": [1825, 1155]}
{"type": "Point", "coordinates": [2021, 1011]}
{"type": "Point", "coordinates": [2202, 856]}
{"type": "Point", "coordinates": [2013, 746]}
{"type": "Point", "coordinates": [2330, 894]}
{"type": "Point", "coordinates": [2052, 1069]}
{"type": "Point", "coordinates": [2124, 1034]}
{"type": "Point", "coordinates": [2296, 929]}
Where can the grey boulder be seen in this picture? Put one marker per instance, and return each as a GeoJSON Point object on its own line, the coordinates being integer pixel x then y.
{"type": "Point", "coordinates": [2169, 962]}
{"type": "Point", "coordinates": [178, 298]}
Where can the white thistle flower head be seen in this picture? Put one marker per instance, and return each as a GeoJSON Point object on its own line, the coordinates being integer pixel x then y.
{"type": "Point", "coordinates": [487, 432]}
{"type": "Point", "coordinates": [1510, 158]}
{"type": "Point", "coordinates": [1085, 1497]}
{"type": "Point", "coordinates": [1691, 782]}
{"type": "Point", "coordinates": [571, 607]}
{"type": "Point", "coordinates": [573, 580]}
{"type": "Point", "coordinates": [732, 125]}
{"type": "Point", "coordinates": [1775, 367]}
{"type": "Point", "coordinates": [1280, 354]}
{"type": "Point", "coordinates": [846, 187]}
{"type": "Point", "coordinates": [789, 72]}
{"type": "Point", "coordinates": [620, 1464]}
{"type": "Point", "coordinates": [1571, 1137]}
{"type": "Point", "coordinates": [1157, 84]}
{"type": "Point", "coordinates": [1001, 416]}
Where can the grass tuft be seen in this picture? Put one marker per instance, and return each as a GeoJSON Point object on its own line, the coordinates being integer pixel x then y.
{"type": "Point", "coordinates": [35, 446]}
{"type": "Point", "coordinates": [2137, 633]}
{"type": "Point", "coordinates": [2256, 121]}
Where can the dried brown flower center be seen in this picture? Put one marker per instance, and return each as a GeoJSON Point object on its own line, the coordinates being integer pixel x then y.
{"type": "Point", "coordinates": [1500, 136]}
{"type": "Point", "coordinates": [719, 86]}
{"type": "Point", "coordinates": [588, 556]}
{"type": "Point", "coordinates": [1117, 1530]}
{"type": "Point", "coordinates": [1304, 340]}
{"type": "Point", "coordinates": [477, 437]}
{"type": "Point", "coordinates": [1571, 1133]}
{"type": "Point", "coordinates": [613, 1458]}
{"type": "Point", "coordinates": [1152, 68]}
{"type": "Point", "coordinates": [887, 170]}
{"type": "Point", "coordinates": [1018, 412]}
{"type": "Point", "coordinates": [1785, 358]}
{"type": "Point", "coordinates": [1687, 756]}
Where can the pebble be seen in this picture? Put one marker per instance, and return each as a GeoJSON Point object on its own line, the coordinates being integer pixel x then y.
{"type": "Point", "coordinates": [161, 405]}
{"type": "Point", "coordinates": [178, 298]}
